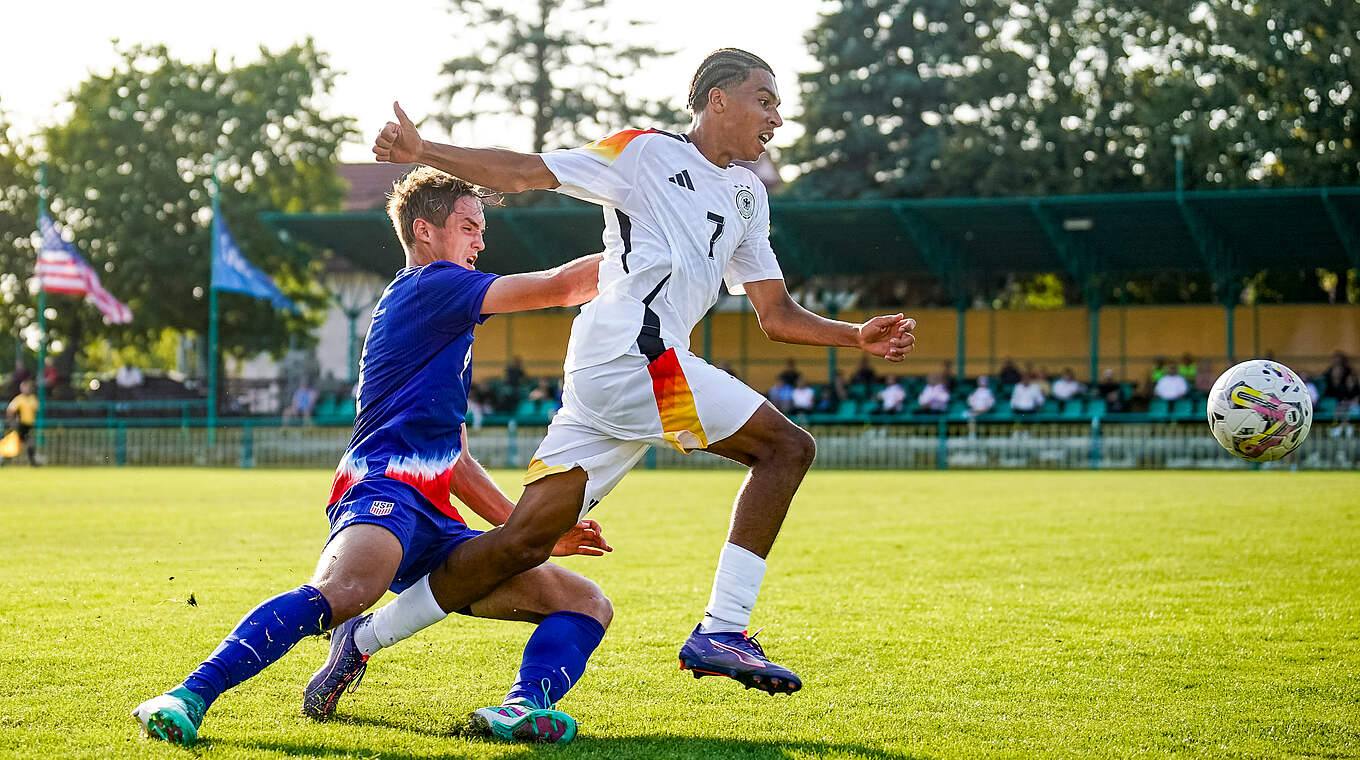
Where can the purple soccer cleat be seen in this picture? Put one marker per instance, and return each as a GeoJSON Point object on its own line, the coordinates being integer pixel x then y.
{"type": "Point", "coordinates": [739, 657]}
{"type": "Point", "coordinates": [343, 670]}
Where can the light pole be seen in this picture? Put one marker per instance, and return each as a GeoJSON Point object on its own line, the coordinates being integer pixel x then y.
{"type": "Point", "coordinates": [353, 291]}
{"type": "Point", "coordinates": [1181, 142]}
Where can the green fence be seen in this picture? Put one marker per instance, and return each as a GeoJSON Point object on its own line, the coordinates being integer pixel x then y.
{"type": "Point", "coordinates": [941, 444]}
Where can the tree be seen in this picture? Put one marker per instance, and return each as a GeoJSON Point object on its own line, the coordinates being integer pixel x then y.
{"type": "Point", "coordinates": [557, 70]}
{"type": "Point", "coordinates": [1001, 97]}
{"type": "Point", "coordinates": [130, 177]}
{"type": "Point", "coordinates": [18, 218]}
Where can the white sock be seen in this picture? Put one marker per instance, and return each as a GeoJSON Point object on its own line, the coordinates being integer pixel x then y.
{"type": "Point", "coordinates": [735, 588]}
{"type": "Point", "coordinates": [414, 609]}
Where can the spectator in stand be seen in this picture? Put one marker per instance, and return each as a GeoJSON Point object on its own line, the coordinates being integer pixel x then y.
{"type": "Point", "coordinates": [22, 412]}
{"type": "Point", "coordinates": [1040, 378]}
{"type": "Point", "coordinates": [1188, 368]}
{"type": "Point", "coordinates": [1204, 377]}
{"type": "Point", "coordinates": [781, 395]}
{"type": "Point", "coordinates": [1171, 386]}
{"type": "Point", "coordinates": [934, 397]}
{"type": "Point", "coordinates": [803, 399]}
{"type": "Point", "coordinates": [21, 373]}
{"type": "Point", "coordinates": [1159, 369]}
{"type": "Point", "coordinates": [1311, 386]}
{"type": "Point", "coordinates": [864, 375]}
{"type": "Point", "coordinates": [543, 391]}
{"type": "Point", "coordinates": [1347, 405]}
{"type": "Point", "coordinates": [1027, 397]}
{"type": "Point", "coordinates": [891, 398]}
{"type": "Point", "coordinates": [981, 400]}
{"type": "Point", "coordinates": [947, 372]}
{"type": "Point", "coordinates": [478, 406]}
{"type": "Point", "coordinates": [832, 394]}
{"type": "Point", "coordinates": [791, 375]}
{"type": "Point", "coordinates": [514, 373]}
{"type": "Point", "coordinates": [304, 401]}
{"type": "Point", "coordinates": [1010, 374]}
{"type": "Point", "coordinates": [125, 380]}
{"type": "Point", "coordinates": [1110, 390]}
{"type": "Point", "coordinates": [1342, 386]}
{"type": "Point", "coordinates": [1067, 386]}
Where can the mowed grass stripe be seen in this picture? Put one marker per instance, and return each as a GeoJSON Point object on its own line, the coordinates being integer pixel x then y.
{"type": "Point", "coordinates": [932, 615]}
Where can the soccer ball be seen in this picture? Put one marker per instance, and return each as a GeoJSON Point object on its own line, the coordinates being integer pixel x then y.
{"type": "Point", "coordinates": [1260, 410]}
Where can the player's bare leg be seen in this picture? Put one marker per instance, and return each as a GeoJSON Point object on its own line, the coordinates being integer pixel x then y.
{"type": "Point", "coordinates": [779, 454]}
{"type": "Point", "coordinates": [547, 509]}
{"type": "Point", "coordinates": [349, 574]}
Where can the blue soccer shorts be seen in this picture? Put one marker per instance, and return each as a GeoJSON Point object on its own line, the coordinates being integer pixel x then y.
{"type": "Point", "coordinates": [427, 535]}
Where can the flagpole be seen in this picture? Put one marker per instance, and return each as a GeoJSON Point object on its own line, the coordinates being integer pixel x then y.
{"type": "Point", "coordinates": [40, 372]}
{"type": "Point", "coordinates": [212, 311]}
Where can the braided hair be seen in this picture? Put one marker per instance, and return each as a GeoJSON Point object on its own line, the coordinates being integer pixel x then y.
{"type": "Point", "coordinates": [722, 69]}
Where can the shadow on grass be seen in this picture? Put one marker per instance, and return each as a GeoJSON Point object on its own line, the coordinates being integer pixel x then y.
{"type": "Point", "coordinates": [644, 747]}
{"type": "Point", "coordinates": [622, 748]}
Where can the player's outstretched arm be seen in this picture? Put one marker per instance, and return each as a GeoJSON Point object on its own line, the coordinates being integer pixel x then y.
{"type": "Point", "coordinates": [472, 485]}
{"type": "Point", "coordinates": [571, 284]}
{"type": "Point", "coordinates": [504, 171]}
{"type": "Point", "coordinates": [783, 320]}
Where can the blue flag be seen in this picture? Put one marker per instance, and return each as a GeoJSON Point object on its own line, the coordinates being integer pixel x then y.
{"type": "Point", "coordinates": [231, 271]}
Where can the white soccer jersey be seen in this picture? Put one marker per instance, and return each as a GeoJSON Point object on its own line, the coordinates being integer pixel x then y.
{"type": "Point", "coordinates": [676, 227]}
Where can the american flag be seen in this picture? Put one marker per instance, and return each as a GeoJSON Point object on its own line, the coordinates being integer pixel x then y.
{"type": "Point", "coordinates": [62, 270]}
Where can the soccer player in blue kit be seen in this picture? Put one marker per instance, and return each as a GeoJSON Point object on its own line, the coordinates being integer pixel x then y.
{"type": "Point", "coordinates": [391, 518]}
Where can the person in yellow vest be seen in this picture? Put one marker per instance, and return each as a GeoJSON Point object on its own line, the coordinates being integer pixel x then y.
{"type": "Point", "coordinates": [23, 412]}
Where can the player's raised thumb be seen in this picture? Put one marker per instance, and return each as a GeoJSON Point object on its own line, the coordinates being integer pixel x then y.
{"type": "Point", "coordinates": [402, 118]}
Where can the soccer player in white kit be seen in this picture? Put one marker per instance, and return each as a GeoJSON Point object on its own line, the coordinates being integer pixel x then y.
{"type": "Point", "coordinates": [680, 219]}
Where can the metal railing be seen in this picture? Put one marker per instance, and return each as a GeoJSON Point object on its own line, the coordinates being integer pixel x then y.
{"type": "Point", "coordinates": [1095, 444]}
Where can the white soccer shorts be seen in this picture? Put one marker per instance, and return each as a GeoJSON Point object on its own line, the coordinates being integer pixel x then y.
{"type": "Point", "coordinates": [613, 411]}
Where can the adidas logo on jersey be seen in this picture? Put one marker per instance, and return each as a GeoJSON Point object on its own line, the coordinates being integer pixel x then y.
{"type": "Point", "coordinates": [682, 179]}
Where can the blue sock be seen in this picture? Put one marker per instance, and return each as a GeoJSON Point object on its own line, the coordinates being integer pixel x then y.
{"type": "Point", "coordinates": [263, 636]}
{"type": "Point", "coordinates": [556, 656]}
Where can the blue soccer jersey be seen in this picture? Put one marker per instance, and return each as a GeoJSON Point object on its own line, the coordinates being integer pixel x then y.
{"type": "Point", "coordinates": [413, 382]}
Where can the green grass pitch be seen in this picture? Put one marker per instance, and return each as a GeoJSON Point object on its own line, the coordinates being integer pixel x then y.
{"type": "Point", "coordinates": [932, 615]}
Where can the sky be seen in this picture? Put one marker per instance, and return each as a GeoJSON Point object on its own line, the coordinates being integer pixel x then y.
{"type": "Point", "coordinates": [387, 50]}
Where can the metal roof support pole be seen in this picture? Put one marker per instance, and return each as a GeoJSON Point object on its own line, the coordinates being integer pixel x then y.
{"type": "Point", "coordinates": [1344, 232]}
{"type": "Point", "coordinates": [961, 330]}
{"type": "Point", "coordinates": [945, 263]}
{"type": "Point", "coordinates": [1218, 256]}
{"type": "Point", "coordinates": [1077, 256]}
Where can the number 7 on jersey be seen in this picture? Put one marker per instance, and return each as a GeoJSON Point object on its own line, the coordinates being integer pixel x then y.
{"type": "Point", "coordinates": [717, 220]}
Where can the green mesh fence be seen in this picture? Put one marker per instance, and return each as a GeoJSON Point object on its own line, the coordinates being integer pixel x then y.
{"type": "Point", "coordinates": [942, 445]}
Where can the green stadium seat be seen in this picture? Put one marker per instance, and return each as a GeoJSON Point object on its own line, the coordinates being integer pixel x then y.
{"type": "Point", "coordinates": [347, 408]}
{"type": "Point", "coordinates": [1326, 408]}
{"type": "Point", "coordinates": [1159, 409]}
{"type": "Point", "coordinates": [1095, 408]}
{"type": "Point", "coordinates": [526, 410]}
{"type": "Point", "coordinates": [1183, 408]}
{"type": "Point", "coordinates": [326, 408]}
{"type": "Point", "coordinates": [1074, 409]}
{"type": "Point", "coordinates": [849, 409]}
{"type": "Point", "coordinates": [1051, 406]}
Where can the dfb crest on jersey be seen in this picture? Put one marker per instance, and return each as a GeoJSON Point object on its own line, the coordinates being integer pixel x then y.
{"type": "Point", "coordinates": [746, 203]}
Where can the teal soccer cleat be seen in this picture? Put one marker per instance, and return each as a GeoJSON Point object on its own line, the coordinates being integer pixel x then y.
{"type": "Point", "coordinates": [172, 717]}
{"type": "Point", "coordinates": [524, 723]}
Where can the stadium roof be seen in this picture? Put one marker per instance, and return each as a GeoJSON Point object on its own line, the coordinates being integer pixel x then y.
{"type": "Point", "coordinates": [1225, 233]}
